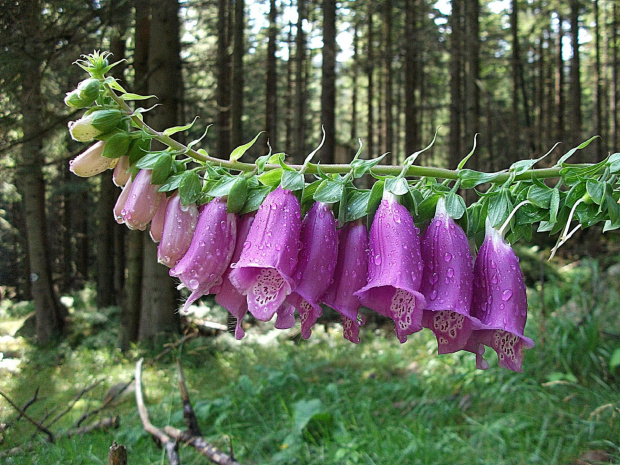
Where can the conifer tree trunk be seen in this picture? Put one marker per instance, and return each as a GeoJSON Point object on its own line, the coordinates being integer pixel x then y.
{"type": "Point", "coordinates": [370, 136]}
{"type": "Point", "coordinates": [223, 81]}
{"type": "Point", "coordinates": [575, 79]}
{"type": "Point", "coordinates": [50, 315]}
{"type": "Point", "coordinates": [288, 117]}
{"type": "Point", "coordinates": [614, 98]}
{"type": "Point", "coordinates": [271, 98]}
{"type": "Point", "coordinates": [559, 82]}
{"type": "Point", "coordinates": [354, 76]}
{"type": "Point", "coordinates": [328, 81]}
{"type": "Point", "coordinates": [158, 303]}
{"type": "Point", "coordinates": [300, 84]}
{"type": "Point", "coordinates": [388, 133]}
{"type": "Point", "coordinates": [598, 91]}
{"type": "Point", "coordinates": [411, 114]}
{"type": "Point", "coordinates": [237, 74]}
{"type": "Point", "coordinates": [456, 92]}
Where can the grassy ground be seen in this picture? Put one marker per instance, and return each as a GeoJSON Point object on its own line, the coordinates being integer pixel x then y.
{"type": "Point", "coordinates": [326, 401]}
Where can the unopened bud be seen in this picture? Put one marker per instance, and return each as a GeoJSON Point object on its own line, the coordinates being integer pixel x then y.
{"type": "Point", "coordinates": [91, 162]}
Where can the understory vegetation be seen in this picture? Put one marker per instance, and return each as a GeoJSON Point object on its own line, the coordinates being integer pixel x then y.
{"type": "Point", "coordinates": [276, 398]}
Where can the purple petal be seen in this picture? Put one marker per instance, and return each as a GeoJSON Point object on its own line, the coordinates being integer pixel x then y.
{"type": "Point", "coordinates": [349, 275]}
{"type": "Point", "coordinates": [394, 269]}
{"type": "Point", "coordinates": [285, 316]}
{"type": "Point", "coordinates": [228, 296]}
{"type": "Point", "coordinates": [157, 223]}
{"type": "Point", "coordinates": [120, 202]}
{"type": "Point", "coordinates": [209, 254]}
{"type": "Point", "coordinates": [447, 282]}
{"type": "Point", "coordinates": [142, 202]}
{"type": "Point", "coordinates": [177, 231]}
{"type": "Point", "coordinates": [316, 264]}
{"type": "Point", "coordinates": [264, 272]}
{"type": "Point", "coordinates": [500, 301]}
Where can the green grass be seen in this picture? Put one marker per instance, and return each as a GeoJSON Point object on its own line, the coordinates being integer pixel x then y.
{"type": "Point", "coordinates": [327, 401]}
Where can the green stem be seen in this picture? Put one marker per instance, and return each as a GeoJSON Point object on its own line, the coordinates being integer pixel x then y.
{"type": "Point", "coordinates": [310, 168]}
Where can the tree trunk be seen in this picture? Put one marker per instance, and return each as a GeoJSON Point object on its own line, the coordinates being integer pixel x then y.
{"type": "Point", "coordinates": [223, 81]}
{"type": "Point", "coordinates": [559, 81]}
{"type": "Point", "coordinates": [328, 82]}
{"type": "Point", "coordinates": [237, 74]}
{"type": "Point", "coordinates": [614, 98]}
{"type": "Point", "coordinates": [388, 133]}
{"type": "Point", "coordinates": [300, 85]}
{"type": "Point", "coordinates": [355, 60]}
{"type": "Point", "coordinates": [370, 69]}
{"type": "Point", "coordinates": [411, 114]}
{"type": "Point", "coordinates": [271, 97]}
{"type": "Point", "coordinates": [49, 313]}
{"type": "Point", "coordinates": [289, 144]}
{"type": "Point", "coordinates": [472, 90]}
{"type": "Point", "coordinates": [598, 91]}
{"type": "Point", "coordinates": [158, 302]}
{"type": "Point", "coordinates": [456, 93]}
{"type": "Point", "coordinates": [575, 84]}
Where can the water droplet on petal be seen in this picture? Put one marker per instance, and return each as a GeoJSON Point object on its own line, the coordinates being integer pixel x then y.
{"type": "Point", "coordinates": [450, 272]}
{"type": "Point", "coordinates": [377, 259]}
{"type": "Point", "coordinates": [433, 295]}
{"type": "Point", "coordinates": [506, 295]}
{"type": "Point", "coordinates": [447, 257]}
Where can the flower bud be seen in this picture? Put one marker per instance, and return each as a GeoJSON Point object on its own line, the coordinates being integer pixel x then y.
{"type": "Point", "coordinates": [209, 254]}
{"type": "Point", "coordinates": [85, 94]}
{"type": "Point", "coordinates": [264, 272]}
{"type": "Point", "coordinates": [91, 162]}
{"type": "Point", "coordinates": [94, 124]}
{"type": "Point", "coordinates": [121, 173]}
{"type": "Point", "coordinates": [448, 281]}
{"type": "Point", "coordinates": [157, 223]}
{"type": "Point", "coordinates": [349, 277]}
{"type": "Point", "coordinates": [142, 202]}
{"type": "Point", "coordinates": [315, 266]}
{"type": "Point", "coordinates": [178, 230]}
{"type": "Point", "coordinates": [500, 303]}
{"type": "Point", "coordinates": [394, 268]}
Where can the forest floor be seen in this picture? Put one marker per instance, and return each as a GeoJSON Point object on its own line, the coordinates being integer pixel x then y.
{"type": "Point", "coordinates": [274, 398]}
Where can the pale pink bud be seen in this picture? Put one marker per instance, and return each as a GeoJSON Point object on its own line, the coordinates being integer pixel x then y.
{"type": "Point", "coordinates": [178, 230]}
{"type": "Point", "coordinates": [142, 202]}
{"type": "Point", "coordinates": [91, 162]}
{"type": "Point", "coordinates": [157, 223]}
{"type": "Point", "coordinates": [121, 173]}
{"type": "Point", "coordinates": [120, 203]}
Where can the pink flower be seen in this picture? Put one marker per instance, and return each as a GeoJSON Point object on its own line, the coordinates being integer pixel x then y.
{"type": "Point", "coordinates": [177, 232]}
{"type": "Point", "coordinates": [142, 202]}
{"type": "Point", "coordinates": [91, 161]}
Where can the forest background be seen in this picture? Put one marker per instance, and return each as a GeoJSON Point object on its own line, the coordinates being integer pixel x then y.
{"type": "Point", "coordinates": [523, 75]}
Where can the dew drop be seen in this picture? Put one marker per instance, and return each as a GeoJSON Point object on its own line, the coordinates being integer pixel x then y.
{"type": "Point", "coordinates": [193, 284]}
{"type": "Point", "coordinates": [450, 272]}
{"type": "Point", "coordinates": [377, 259]}
{"type": "Point", "coordinates": [434, 278]}
{"type": "Point", "coordinates": [447, 257]}
{"type": "Point", "coordinates": [247, 244]}
{"type": "Point", "coordinates": [433, 295]}
{"type": "Point", "coordinates": [506, 295]}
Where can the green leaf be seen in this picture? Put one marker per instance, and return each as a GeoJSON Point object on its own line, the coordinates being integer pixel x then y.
{"type": "Point", "coordinates": [614, 360]}
{"type": "Point", "coordinates": [426, 209]}
{"type": "Point", "coordinates": [397, 185]}
{"type": "Point", "coordinates": [190, 188]}
{"type": "Point", "coordinates": [175, 129]}
{"type": "Point", "coordinates": [148, 161]}
{"type": "Point", "coordinates": [237, 195]}
{"type": "Point", "coordinates": [613, 209]}
{"type": "Point", "coordinates": [271, 178]}
{"type": "Point", "coordinates": [222, 187]}
{"type": "Point", "coordinates": [500, 207]}
{"type": "Point", "coordinates": [254, 199]}
{"type": "Point", "coordinates": [540, 196]}
{"type": "Point", "coordinates": [572, 151]}
{"type": "Point", "coordinates": [239, 151]}
{"type": "Point", "coordinates": [292, 180]}
{"type": "Point", "coordinates": [357, 204]}
{"type": "Point", "coordinates": [471, 178]}
{"type": "Point", "coordinates": [614, 163]}
{"type": "Point", "coordinates": [361, 167]}
{"type": "Point", "coordinates": [329, 191]}
{"type": "Point", "coordinates": [172, 183]}
{"type": "Point", "coordinates": [595, 190]}
{"type": "Point", "coordinates": [468, 156]}
{"type": "Point", "coordinates": [130, 96]}
{"type": "Point", "coordinates": [161, 169]}
{"type": "Point", "coordinates": [308, 193]}
{"type": "Point", "coordinates": [376, 195]}
{"type": "Point", "coordinates": [455, 205]}
{"type": "Point", "coordinates": [343, 206]}
{"type": "Point", "coordinates": [117, 145]}
{"type": "Point", "coordinates": [554, 205]}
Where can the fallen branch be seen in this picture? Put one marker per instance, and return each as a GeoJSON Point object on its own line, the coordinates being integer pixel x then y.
{"type": "Point", "coordinates": [22, 413]}
{"type": "Point", "coordinates": [169, 437]}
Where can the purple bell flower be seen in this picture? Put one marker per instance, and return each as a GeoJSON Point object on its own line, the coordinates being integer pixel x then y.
{"type": "Point", "coordinates": [500, 303]}
{"type": "Point", "coordinates": [264, 272]}
{"type": "Point", "coordinates": [228, 296]}
{"type": "Point", "coordinates": [315, 266]}
{"type": "Point", "coordinates": [394, 268]}
{"type": "Point", "coordinates": [120, 202]}
{"type": "Point", "coordinates": [177, 231]}
{"type": "Point", "coordinates": [157, 223]}
{"type": "Point", "coordinates": [349, 277]}
{"type": "Point", "coordinates": [209, 254]}
{"type": "Point", "coordinates": [142, 201]}
{"type": "Point", "coordinates": [447, 282]}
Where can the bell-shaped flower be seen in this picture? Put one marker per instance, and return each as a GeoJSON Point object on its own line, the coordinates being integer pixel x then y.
{"type": "Point", "coordinates": [349, 277]}
{"type": "Point", "coordinates": [142, 202]}
{"type": "Point", "coordinates": [500, 303]}
{"type": "Point", "coordinates": [394, 268]}
{"type": "Point", "coordinates": [177, 232]}
{"type": "Point", "coordinates": [91, 161]}
{"type": "Point", "coordinates": [121, 173]}
{"type": "Point", "coordinates": [121, 201]}
{"type": "Point", "coordinates": [315, 266]}
{"type": "Point", "coordinates": [264, 272]}
{"type": "Point", "coordinates": [209, 254]}
{"type": "Point", "coordinates": [228, 296]}
{"type": "Point", "coordinates": [447, 282]}
{"type": "Point", "coordinates": [157, 223]}
{"type": "Point", "coordinates": [94, 124]}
